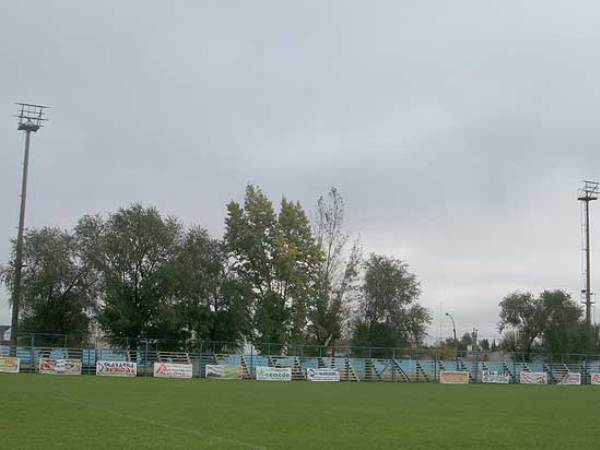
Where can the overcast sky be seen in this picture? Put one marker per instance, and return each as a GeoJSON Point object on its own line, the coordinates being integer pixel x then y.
{"type": "Point", "coordinates": [458, 132]}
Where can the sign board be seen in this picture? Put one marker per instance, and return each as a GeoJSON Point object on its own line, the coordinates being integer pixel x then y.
{"type": "Point", "coordinates": [533, 378]}
{"type": "Point", "coordinates": [116, 369]}
{"type": "Point", "coordinates": [48, 366]}
{"type": "Point", "coordinates": [493, 377]}
{"type": "Point", "coordinates": [273, 373]}
{"type": "Point", "coordinates": [454, 377]}
{"type": "Point", "coordinates": [172, 370]}
{"type": "Point", "coordinates": [595, 378]}
{"type": "Point", "coordinates": [9, 364]}
{"type": "Point", "coordinates": [223, 372]}
{"type": "Point", "coordinates": [323, 374]}
{"type": "Point", "coordinates": [571, 378]}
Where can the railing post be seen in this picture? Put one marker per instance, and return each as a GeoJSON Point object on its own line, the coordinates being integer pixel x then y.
{"type": "Point", "coordinates": [146, 360]}
{"type": "Point", "coordinates": [514, 372]}
{"type": "Point", "coordinates": [32, 351]}
{"type": "Point", "coordinates": [200, 361]}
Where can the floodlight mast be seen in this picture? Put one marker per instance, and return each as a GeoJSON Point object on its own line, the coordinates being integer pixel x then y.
{"type": "Point", "coordinates": [589, 192]}
{"type": "Point", "coordinates": [30, 118]}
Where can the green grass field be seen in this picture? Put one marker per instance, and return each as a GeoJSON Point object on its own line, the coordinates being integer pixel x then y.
{"type": "Point", "coordinates": [45, 412]}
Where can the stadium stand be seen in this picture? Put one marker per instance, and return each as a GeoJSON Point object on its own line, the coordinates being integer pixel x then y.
{"type": "Point", "coordinates": [397, 369]}
{"type": "Point", "coordinates": [421, 372]}
{"type": "Point", "coordinates": [354, 367]}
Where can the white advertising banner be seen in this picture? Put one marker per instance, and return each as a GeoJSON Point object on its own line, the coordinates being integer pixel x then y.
{"type": "Point", "coordinates": [595, 378]}
{"type": "Point", "coordinates": [323, 375]}
{"type": "Point", "coordinates": [493, 377]}
{"type": "Point", "coordinates": [9, 364]}
{"type": "Point", "coordinates": [116, 369]}
{"type": "Point", "coordinates": [533, 378]}
{"type": "Point", "coordinates": [273, 373]}
{"type": "Point", "coordinates": [48, 366]}
{"type": "Point", "coordinates": [571, 378]}
{"type": "Point", "coordinates": [172, 370]}
{"type": "Point", "coordinates": [223, 372]}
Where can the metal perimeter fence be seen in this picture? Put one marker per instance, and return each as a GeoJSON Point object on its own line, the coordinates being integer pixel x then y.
{"type": "Point", "coordinates": [352, 363]}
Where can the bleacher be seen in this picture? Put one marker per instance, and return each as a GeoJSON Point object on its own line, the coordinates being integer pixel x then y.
{"type": "Point", "coordinates": [309, 363]}
{"type": "Point", "coordinates": [351, 367]}
{"type": "Point", "coordinates": [174, 357]}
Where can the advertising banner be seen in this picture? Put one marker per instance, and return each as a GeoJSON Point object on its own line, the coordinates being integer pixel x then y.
{"type": "Point", "coordinates": [595, 378]}
{"type": "Point", "coordinates": [323, 375]}
{"type": "Point", "coordinates": [454, 377]}
{"type": "Point", "coordinates": [172, 370]}
{"type": "Point", "coordinates": [48, 366]}
{"type": "Point", "coordinates": [224, 372]}
{"type": "Point", "coordinates": [571, 378]}
{"type": "Point", "coordinates": [116, 369]}
{"type": "Point", "coordinates": [493, 377]}
{"type": "Point", "coordinates": [533, 378]}
{"type": "Point", "coordinates": [273, 373]}
{"type": "Point", "coordinates": [9, 364]}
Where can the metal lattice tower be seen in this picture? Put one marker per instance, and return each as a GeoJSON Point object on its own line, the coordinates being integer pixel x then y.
{"type": "Point", "coordinates": [589, 192]}
{"type": "Point", "coordinates": [30, 119]}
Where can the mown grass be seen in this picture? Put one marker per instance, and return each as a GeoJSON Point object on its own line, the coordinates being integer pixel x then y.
{"type": "Point", "coordinates": [47, 412]}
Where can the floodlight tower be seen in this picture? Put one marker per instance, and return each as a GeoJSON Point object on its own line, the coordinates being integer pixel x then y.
{"type": "Point", "coordinates": [586, 194]}
{"type": "Point", "coordinates": [30, 118]}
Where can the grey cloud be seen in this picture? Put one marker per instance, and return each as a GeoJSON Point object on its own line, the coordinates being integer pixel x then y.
{"type": "Point", "coordinates": [457, 131]}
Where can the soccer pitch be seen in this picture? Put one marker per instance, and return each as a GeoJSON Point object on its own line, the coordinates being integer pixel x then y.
{"type": "Point", "coordinates": [46, 412]}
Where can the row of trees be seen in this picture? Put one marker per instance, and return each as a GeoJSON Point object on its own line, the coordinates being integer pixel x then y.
{"type": "Point", "coordinates": [551, 322]}
{"type": "Point", "coordinates": [274, 277]}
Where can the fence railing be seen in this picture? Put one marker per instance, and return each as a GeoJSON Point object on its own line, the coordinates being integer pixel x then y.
{"type": "Point", "coordinates": [353, 363]}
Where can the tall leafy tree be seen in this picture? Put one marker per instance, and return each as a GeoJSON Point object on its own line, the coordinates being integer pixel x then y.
{"type": "Point", "coordinates": [212, 303]}
{"type": "Point", "coordinates": [389, 314]}
{"type": "Point", "coordinates": [522, 315]}
{"type": "Point", "coordinates": [276, 259]}
{"type": "Point", "coordinates": [297, 259]}
{"type": "Point", "coordinates": [133, 253]}
{"type": "Point", "coordinates": [249, 235]}
{"type": "Point", "coordinates": [551, 322]}
{"type": "Point", "coordinates": [58, 287]}
{"type": "Point", "coordinates": [338, 272]}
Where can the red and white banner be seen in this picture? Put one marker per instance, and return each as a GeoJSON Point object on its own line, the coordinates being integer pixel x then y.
{"type": "Point", "coordinates": [595, 378]}
{"type": "Point", "coordinates": [116, 369]}
{"type": "Point", "coordinates": [172, 370]}
{"type": "Point", "coordinates": [48, 366]}
{"type": "Point", "coordinates": [9, 364]}
{"type": "Point", "coordinates": [571, 378]}
{"type": "Point", "coordinates": [533, 378]}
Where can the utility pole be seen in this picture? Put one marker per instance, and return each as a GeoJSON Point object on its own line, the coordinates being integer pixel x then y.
{"type": "Point", "coordinates": [30, 120]}
{"type": "Point", "coordinates": [588, 193]}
